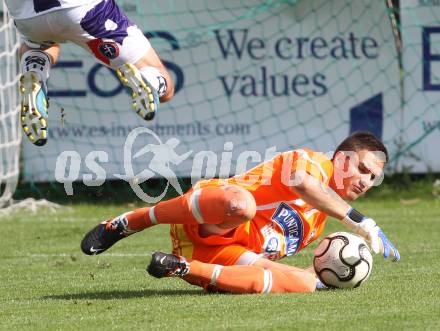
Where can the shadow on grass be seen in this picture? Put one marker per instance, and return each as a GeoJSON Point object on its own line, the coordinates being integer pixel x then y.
{"type": "Point", "coordinates": [110, 295]}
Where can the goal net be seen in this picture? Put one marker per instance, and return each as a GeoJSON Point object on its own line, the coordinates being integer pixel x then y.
{"type": "Point", "coordinates": [253, 77]}
{"type": "Point", "coordinates": [10, 134]}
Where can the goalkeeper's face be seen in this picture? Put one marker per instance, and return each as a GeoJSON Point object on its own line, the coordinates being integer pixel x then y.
{"type": "Point", "coordinates": [356, 172]}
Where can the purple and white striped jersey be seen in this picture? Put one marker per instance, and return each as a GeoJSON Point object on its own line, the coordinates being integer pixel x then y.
{"type": "Point", "coordinates": [21, 9]}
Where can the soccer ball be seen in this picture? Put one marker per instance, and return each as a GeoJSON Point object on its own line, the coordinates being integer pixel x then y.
{"type": "Point", "coordinates": [342, 260]}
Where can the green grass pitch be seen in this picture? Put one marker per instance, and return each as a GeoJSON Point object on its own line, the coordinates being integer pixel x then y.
{"type": "Point", "coordinates": [47, 284]}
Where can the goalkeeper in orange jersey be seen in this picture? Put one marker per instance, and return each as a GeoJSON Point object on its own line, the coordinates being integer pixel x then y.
{"type": "Point", "coordinates": [271, 211]}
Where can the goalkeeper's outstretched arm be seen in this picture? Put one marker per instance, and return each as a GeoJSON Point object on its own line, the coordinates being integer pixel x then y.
{"type": "Point", "coordinates": [320, 196]}
{"type": "Point", "coordinates": [325, 199]}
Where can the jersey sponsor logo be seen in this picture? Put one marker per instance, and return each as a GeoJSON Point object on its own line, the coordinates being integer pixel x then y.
{"type": "Point", "coordinates": [109, 49]}
{"type": "Point", "coordinates": [292, 226]}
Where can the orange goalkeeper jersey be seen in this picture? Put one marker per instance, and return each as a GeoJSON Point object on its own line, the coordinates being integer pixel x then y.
{"type": "Point", "coordinates": [283, 225]}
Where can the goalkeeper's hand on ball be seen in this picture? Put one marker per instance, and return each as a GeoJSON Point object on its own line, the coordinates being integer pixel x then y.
{"type": "Point", "coordinates": [373, 234]}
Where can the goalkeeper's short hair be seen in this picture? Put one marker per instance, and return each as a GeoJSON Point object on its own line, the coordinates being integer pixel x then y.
{"type": "Point", "coordinates": [362, 140]}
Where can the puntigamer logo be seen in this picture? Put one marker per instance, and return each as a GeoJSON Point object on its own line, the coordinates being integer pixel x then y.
{"type": "Point", "coordinates": [292, 225]}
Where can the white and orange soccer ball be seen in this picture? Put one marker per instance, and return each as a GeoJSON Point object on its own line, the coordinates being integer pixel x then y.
{"type": "Point", "coordinates": [343, 260]}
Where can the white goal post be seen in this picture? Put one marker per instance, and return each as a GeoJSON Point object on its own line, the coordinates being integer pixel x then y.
{"type": "Point", "coordinates": [10, 132]}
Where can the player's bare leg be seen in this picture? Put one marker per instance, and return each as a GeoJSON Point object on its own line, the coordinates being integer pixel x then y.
{"type": "Point", "coordinates": [232, 279]}
{"type": "Point", "coordinates": [150, 83]}
{"type": "Point", "coordinates": [35, 67]}
{"type": "Point", "coordinates": [217, 209]}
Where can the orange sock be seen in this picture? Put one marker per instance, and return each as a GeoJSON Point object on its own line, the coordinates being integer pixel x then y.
{"type": "Point", "coordinates": [207, 205]}
{"type": "Point", "coordinates": [292, 282]}
{"type": "Point", "coordinates": [249, 279]}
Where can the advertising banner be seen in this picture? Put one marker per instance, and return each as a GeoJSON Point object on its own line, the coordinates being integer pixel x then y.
{"type": "Point", "coordinates": [251, 77]}
{"type": "Point", "coordinates": [421, 64]}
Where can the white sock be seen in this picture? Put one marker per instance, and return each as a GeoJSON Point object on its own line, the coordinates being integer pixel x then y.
{"type": "Point", "coordinates": [155, 78]}
{"type": "Point", "coordinates": [36, 61]}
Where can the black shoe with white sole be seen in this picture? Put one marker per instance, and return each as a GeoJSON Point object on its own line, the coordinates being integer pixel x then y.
{"type": "Point", "coordinates": [104, 235]}
{"type": "Point", "coordinates": [167, 265]}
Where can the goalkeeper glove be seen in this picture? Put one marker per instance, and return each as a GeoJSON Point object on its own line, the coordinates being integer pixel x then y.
{"type": "Point", "coordinates": [373, 234]}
